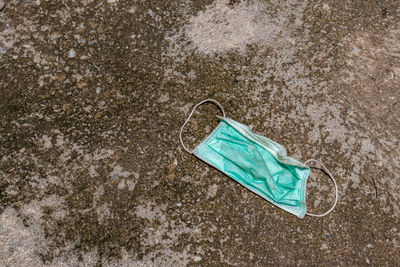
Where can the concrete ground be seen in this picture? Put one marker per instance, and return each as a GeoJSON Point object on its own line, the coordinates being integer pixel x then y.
{"type": "Point", "coordinates": [93, 94]}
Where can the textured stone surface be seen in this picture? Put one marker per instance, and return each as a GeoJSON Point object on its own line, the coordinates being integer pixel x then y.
{"type": "Point", "coordinates": [93, 94]}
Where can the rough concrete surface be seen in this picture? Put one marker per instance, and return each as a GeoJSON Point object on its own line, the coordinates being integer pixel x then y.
{"type": "Point", "coordinates": [93, 94]}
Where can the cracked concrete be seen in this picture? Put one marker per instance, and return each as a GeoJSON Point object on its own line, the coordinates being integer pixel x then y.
{"type": "Point", "coordinates": [93, 94]}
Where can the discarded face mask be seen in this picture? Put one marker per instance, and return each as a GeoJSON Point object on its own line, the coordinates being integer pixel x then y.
{"type": "Point", "coordinates": [258, 163]}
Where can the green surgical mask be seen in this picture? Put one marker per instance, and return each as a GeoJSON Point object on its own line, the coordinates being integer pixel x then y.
{"type": "Point", "coordinates": [258, 163]}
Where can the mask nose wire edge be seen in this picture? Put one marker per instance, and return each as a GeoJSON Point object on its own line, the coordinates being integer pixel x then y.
{"type": "Point", "coordinates": [336, 189]}
{"type": "Point", "coordinates": [191, 114]}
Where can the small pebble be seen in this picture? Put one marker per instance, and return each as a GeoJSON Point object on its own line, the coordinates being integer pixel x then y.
{"type": "Point", "coordinates": [2, 51]}
{"type": "Point", "coordinates": [179, 204]}
{"type": "Point", "coordinates": [132, 10]}
{"type": "Point", "coordinates": [82, 41]}
{"type": "Point", "coordinates": [2, 5]}
{"type": "Point", "coordinates": [197, 258]}
{"type": "Point", "coordinates": [367, 260]}
{"type": "Point", "coordinates": [71, 53]}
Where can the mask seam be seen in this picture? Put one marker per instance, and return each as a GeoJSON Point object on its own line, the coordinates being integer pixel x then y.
{"type": "Point", "coordinates": [304, 192]}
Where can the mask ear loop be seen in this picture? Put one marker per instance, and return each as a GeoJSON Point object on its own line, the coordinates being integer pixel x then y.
{"type": "Point", "coordinates": [336, 189]}
{"type": "Point", "coordinates": [191, 113]}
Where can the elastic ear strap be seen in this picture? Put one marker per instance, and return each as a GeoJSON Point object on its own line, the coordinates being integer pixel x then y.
{"type": "Point", "coordinates": [336, 189]}
{"type": "Point", "coordinates": [191, 113]}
